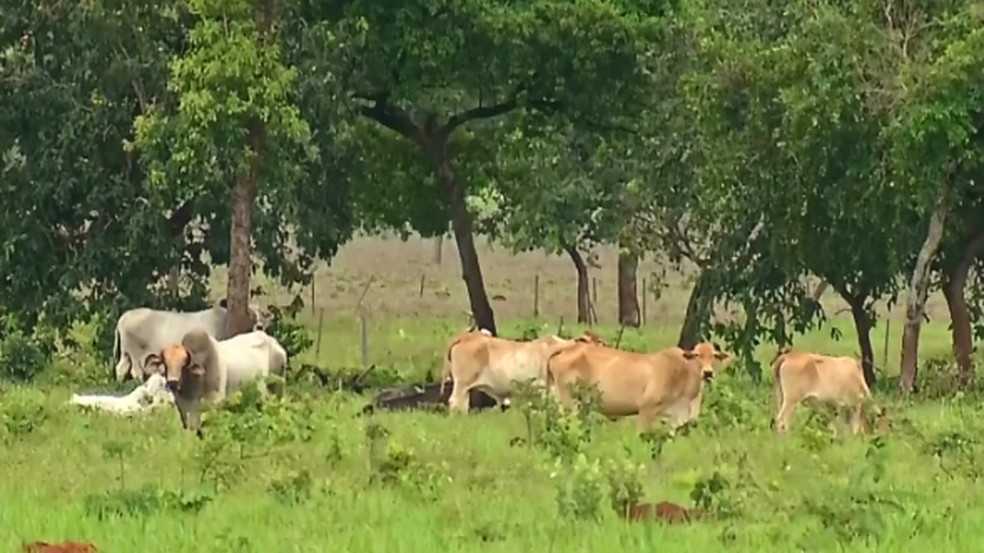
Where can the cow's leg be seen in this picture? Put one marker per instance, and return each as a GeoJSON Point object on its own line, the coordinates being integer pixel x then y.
{"type": "Point", "coordinates": [123, 367]}
{"type": "Point", "coordinates": [459, 401]}
{"type": "Point", "coordinates": [785, 414]}
{"type": "Point", "coordinates": [645, 419]}
{"type": "Point", "coordinates": [857, 417]}
{"type": "Point", "coordinates": [183, 416]}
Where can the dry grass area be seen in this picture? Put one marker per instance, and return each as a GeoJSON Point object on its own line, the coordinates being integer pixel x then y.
{"type": "Point", "coordinates": [398, 268]}
{"type": "Point", "coordinates": [408, 325]}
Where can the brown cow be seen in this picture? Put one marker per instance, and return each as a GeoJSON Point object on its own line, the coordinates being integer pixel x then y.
{"type": "Point", "coordinates": [194, 372]}
{"type": "Point", "coordinates": [666, 383]}
{"type": "Point", "coordinates": [479, 361]}
{"type": "Point", "coordinates": [799, 376]}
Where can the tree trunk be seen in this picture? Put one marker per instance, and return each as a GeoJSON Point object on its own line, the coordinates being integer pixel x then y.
{"type": "Point", "coordinates": [955, 281]}
{"type": "Point", "coordinates": [863, 325]}
{"type": "Point", "coordinates": [438, 249]}
{"type": "Point", "coordinates": [461, 224]}
{"type": "Point", "coordinates": [919, 286]}
{"type": "Point", "coordinates": [628, 295]}
{"type": "Point", "coordinates": [583, 293]}
{"type": "Point", "coordinates": [698, 313]}
{"type": "Point", "coordinates": [244, 195]}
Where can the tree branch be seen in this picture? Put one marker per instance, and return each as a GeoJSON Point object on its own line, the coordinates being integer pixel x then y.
{"type": "Point", "coordinates": [389, 116]}
{"type": "Point", "coordinates": [480, 112]}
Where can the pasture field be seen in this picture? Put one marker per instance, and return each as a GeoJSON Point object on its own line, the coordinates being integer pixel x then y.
{"type": "Point", "coordinates": [309, 475]}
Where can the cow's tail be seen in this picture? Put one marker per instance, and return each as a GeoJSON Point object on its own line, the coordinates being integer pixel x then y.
{"type": "Point", "coordinates": [548, 377]}
{"type": "Point", "coordinates": [777, 375]}
{"type": "Point", "coordinates": [446, 373]}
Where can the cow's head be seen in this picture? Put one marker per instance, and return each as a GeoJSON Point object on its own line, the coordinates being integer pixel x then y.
{"type": "Point", "coordinates": [257, 317]}
{"type": "Point", "coordinates": [174, 362]}
{"type": "Point", "coordinates": [588, 337]}
{"type": "Point", "coordinates": [706, 354]}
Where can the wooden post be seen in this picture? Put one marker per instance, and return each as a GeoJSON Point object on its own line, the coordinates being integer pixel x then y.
{"type": "Point", "coordinates": [423, 277]}
{"type": "Point", "coordinates": [594, 289]}
{"type": "Point", "coordinates": [438, 249]}
{"type": "Point", "coordinates": [888, 332]}
{"type": "Point", "coordinates": [321, 323]}
{"type": "Point", "coordinates": [313, 295]}
{"type": "Point", "coordinates": [644, 297]}
{"type": "Point", "coordinates": [536, 295]}
{"type": "Point", "coordinates": [364, 337]}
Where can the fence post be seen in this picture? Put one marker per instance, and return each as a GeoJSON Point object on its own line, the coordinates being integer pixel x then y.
{"type": "Point", "coordinates": [364, 337]}
{"type": "Point", "coordinates": [321, 322]}
{"type": "Point", "coordinates": [888, 332]}
{"type": "Point", "coordinates": [645, 296]}
{"type": "Point", "coordinates": [536, 295]}
{"type": "Point", "coordinates": [423, 277]}
{"type": "Point", "coordinates": [314, 296]}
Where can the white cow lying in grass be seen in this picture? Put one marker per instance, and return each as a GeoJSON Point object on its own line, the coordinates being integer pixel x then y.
{"type": "Point", "coordinates": [151, 393]}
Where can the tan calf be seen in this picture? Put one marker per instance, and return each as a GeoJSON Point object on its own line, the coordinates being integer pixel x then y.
{"type": "Point", "coordinates": [479, 361]}
{"type": "Point", "coordinates": [799, 376]}
{"type": "Point", "coordinates": [668, 383]}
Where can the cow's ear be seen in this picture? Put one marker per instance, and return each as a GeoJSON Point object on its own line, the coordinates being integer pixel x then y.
{"type": "Point", "coordinates": [224, 303]}
{"type": "Point", "coordinates": [690, 354]}
{"type": "Point", "coordinates": [197, 370]}
{"type": "Point", "coordinates": [722, 355]}
{"type": "Point", "coordinates": [153, 360]}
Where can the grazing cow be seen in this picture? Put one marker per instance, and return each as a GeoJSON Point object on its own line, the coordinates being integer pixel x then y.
{"type": "Point", "coordinates": [799, 376]}
{"type": "Point", "coordinates": [143, 331]}
{"type": "Point", "coordinates": [205, 368]}
{"type": "Point", "coordinates": [151, 393]}
{"type": "Point", "coordinates": [667, 383]}
{"type": "Point", "coordinates": [479, 361]}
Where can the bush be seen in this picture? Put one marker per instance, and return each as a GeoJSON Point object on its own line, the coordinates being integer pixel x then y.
{"type": "Point", "coordinates": [21, 357]}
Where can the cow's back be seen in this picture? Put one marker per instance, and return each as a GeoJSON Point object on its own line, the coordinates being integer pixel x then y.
{"type": "Point", "coordinates": [246, 357]}
{"type": "Point", "coordinates": [839, 378]}
{"type": "Point", "coordinates": [153, 329]}
{"type": "Point", "coordinates": [622, 378]}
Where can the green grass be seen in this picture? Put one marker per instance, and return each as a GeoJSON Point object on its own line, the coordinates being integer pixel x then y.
{"type": "Point", "coordinates": [466, 488]}
{"type": "Point", "coordinates": [487, 494]}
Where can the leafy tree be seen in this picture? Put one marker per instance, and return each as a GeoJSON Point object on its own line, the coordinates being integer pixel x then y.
{"type": "Point", "coordinates": [235, 123]}
{"type": "Point", "coordinates": [936, 135]}
{"type": "Point", "coordinates": [427, 70]}
{"type": "Point", "coordinates": [78, 236]}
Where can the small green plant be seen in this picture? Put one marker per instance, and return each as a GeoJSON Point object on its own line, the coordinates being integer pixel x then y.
{"type": "Point", "coordinates": [656, 438]}
{"type": "Point", "coordinates": [23, 411]}
{"type": "Point", "coordinates": [293, 336]}
{"type": "Point", "coordinates": [624, 485]}
{"type": "Point", "coordinates": [118, 451]}
{"type": "Point", "coordinates": [580, 488]}
{"type": "Point", "coordinates": [817, 432]}
{"type": "Point", "coordinates": [143, 502]}
{"type": "Point", "coordinates": [249, 425]}
{"type": "Point", "coordinates": [558, 431]}
{"type": "Point", "coordinates": [293, 488]}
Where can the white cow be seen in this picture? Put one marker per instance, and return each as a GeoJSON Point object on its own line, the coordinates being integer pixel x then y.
{"type": "Point", "coordinates": [144, 331]}
{"type": "Point", "coordinates": [250, 356]}
{"type": "Point", "coordinates": [151, 393]}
